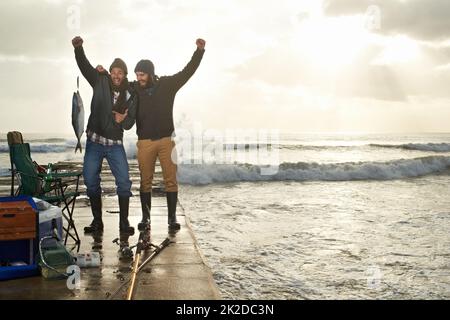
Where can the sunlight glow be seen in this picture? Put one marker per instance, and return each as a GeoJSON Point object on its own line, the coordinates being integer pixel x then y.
{"type": "Point", "coordinates": [398, 50]}
{"type": "Point", "coordinates": [333, 42]}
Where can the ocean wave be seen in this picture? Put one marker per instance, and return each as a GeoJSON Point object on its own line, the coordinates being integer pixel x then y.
{"type": "Point", "coordinates": [432, 147]}
{"type": "Point", "coordinates": [303, 171]}
{"type": "Point", "coordinates": [306, 147]}
{"type": "Point", "coordinates": [429, 147]}
{"type": "Point", "coordinates": [44, 148]}
{"type": "Point", "coordinates": [45, 140]}
{"type": "Point", "coordinates": [249, 146]}
{"type": "Point", "coordinates": [4, 172]}
{"type": "Point", "coordinates": [58, 145]}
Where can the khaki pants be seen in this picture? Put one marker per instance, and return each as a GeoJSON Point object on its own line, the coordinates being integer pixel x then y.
{"type": "Point", "coordinates": [147, 153]}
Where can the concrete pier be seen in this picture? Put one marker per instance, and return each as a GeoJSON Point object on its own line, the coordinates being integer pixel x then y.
{"type": "Point", "coordinates": [178, 272]}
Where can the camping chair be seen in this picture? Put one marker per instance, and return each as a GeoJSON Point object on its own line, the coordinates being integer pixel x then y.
{"type": "Point", "coordinates": [13, 137]}
{"type": "Point", "coordinates": [53, 187]}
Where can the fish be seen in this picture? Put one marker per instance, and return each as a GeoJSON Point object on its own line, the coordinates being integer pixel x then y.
{"type": "Point", "coordinates": [78, 118]}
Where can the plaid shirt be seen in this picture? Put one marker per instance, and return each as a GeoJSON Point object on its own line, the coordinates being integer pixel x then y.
{"type": "Point", "coordinates": [92, 136]}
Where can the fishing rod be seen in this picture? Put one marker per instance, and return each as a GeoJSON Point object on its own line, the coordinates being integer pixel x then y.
{"type": "Point", "coordinates": [137, 267]}
{"type": "Point", "coordinates": [142, 245]}
{"type": "Point", "coordinates": [134, 271]}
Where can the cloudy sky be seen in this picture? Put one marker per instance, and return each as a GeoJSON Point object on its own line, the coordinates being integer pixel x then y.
{"type": "Point", "coordinates": [305, 66]}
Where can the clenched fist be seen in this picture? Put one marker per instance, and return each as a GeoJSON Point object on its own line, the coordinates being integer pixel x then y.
{"type": "Point", "coordinates": [77, 42]}
{"type": "Point", "coordinates": [100, 69]}
{"type": "Point", "coordinates": [200, 44]}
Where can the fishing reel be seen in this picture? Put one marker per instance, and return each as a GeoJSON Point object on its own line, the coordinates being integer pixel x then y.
{"type": "Point", "coordinates": [125, 251]}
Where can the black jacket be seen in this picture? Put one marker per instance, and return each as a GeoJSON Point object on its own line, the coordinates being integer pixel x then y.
{"type": "Point", "coordinates": [155, 109]}
{"type": "Point", "coordinates": [101, 120]}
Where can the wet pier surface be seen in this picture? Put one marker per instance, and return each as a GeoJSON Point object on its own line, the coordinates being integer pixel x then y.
{"type": "Point", "coordinates": [178, 272]}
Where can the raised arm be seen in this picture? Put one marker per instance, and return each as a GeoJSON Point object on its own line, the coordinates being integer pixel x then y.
{"type": "Point", "coordinates": [86, 68]}
{"type": "Point", "coordinates": [180, 78]}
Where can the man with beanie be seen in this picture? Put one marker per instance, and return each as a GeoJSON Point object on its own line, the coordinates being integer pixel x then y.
{"type": "Point", "coordinates": [154, 122]}
{"type": "Point", "coordinates": [113, 109]}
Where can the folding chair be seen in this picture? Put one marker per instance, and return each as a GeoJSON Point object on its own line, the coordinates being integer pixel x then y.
{"type": "Point", "coordinates": [13, 137]}
{"type": "Point", "coordinates": [54, 187]}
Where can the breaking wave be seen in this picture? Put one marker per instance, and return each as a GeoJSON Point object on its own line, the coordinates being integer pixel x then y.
{"type": "Point", "coordinates": [197, 174]}
{"type": "Point", "coordinates": [433, 147]}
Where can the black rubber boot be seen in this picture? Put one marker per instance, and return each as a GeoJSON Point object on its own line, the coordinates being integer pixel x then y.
{"type": "Point", "coordinates": [96, 225]}
{"type": "Point", "coordinates": [172, 210]}
{"type": "Point", "coordinates": [146, 204]}
{"type": "Point", "coordinates": [124, 224]}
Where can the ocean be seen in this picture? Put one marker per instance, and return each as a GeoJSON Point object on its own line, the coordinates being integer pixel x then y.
{"type": "Point", "coordinates": [344, 216]}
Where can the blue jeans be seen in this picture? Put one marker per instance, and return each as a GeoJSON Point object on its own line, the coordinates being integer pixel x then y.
{"type": "Point", "coordinates": [117, 160]}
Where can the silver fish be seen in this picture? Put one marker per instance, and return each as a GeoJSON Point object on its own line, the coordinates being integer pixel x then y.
{"type": "Point", "coordinates": [77, 118]}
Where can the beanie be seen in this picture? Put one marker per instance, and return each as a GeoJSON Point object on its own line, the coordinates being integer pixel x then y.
{"type": "Point", "coordinates": [119, 63]}
{"type": "Point", "coordinates": [145, 66]}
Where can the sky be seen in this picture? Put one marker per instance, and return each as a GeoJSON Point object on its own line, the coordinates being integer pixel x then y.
{"type": "Point", "coordinates": [295, 66]}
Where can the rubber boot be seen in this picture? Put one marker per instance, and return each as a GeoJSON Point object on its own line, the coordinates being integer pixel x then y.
{"type": "Point", "coordinates": [146, 204]}
{"type": "Point", "coordinates": [96, 225]}
{"type": "Point", "coordinates": [124, 224]}
{"type": "Point", "coordinates": [172, 209]}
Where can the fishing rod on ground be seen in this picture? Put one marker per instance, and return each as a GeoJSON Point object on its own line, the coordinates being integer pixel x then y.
{"type": "Point", "coordinates": [143, 244]}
